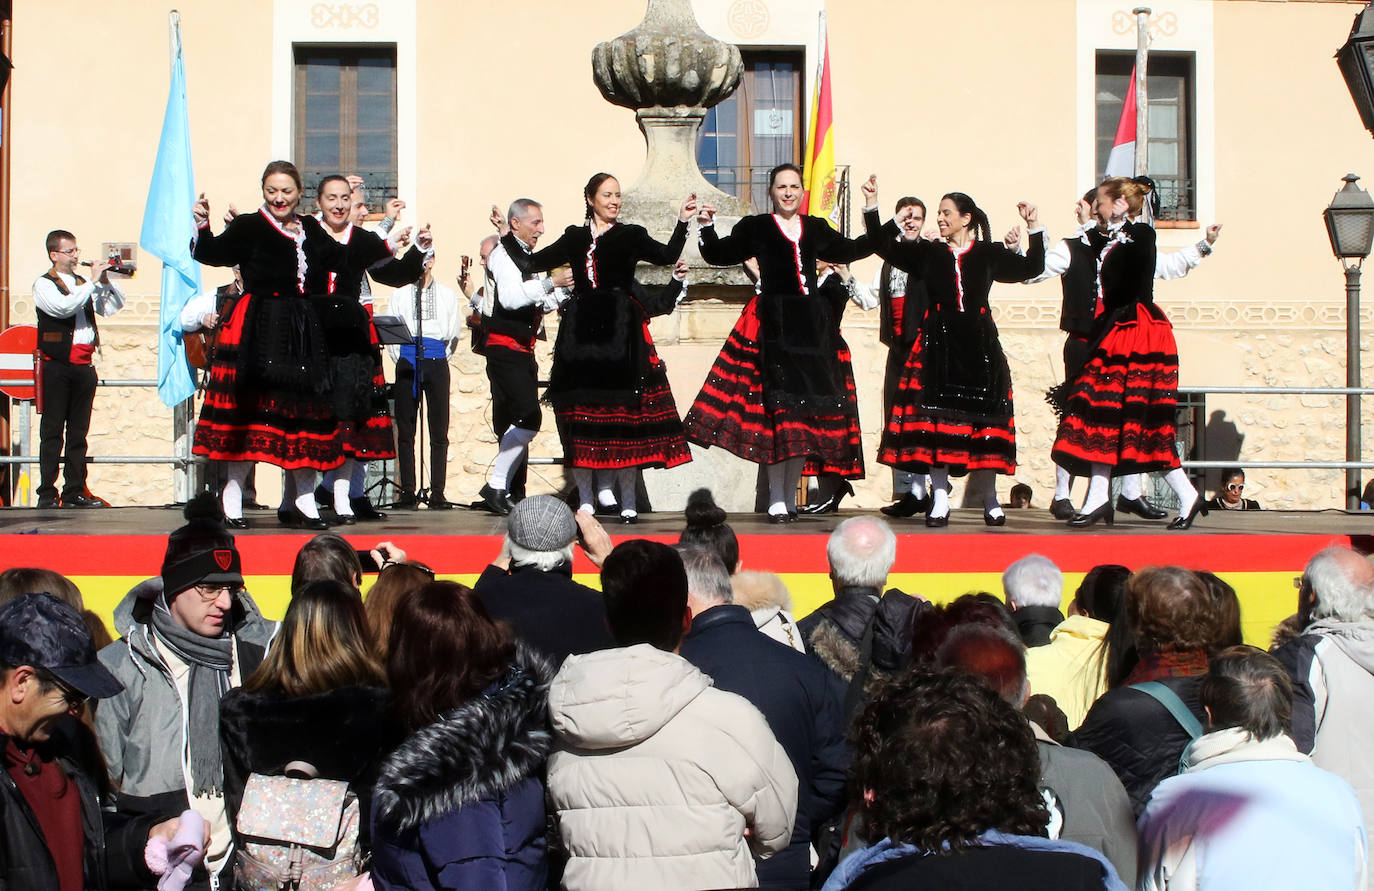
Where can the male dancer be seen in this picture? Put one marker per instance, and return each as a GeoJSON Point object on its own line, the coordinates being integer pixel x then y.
{"type": "Point", "coordinates": [512, 310]}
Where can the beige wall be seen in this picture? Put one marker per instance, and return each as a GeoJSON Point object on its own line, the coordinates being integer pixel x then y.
{"type": "Point", "coordinates": [981, 97]}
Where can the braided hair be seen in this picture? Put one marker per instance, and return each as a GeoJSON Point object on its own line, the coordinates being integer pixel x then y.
{"type": "Point", "coordinates": [589, 191]}
{"type": "Point", "coordinates": [982, 229]}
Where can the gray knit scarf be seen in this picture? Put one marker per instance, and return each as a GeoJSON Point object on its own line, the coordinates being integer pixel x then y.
{"type": "Point", "coordinates": [210, 659]}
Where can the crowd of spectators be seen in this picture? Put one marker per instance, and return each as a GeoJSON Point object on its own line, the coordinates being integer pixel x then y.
{"type": "Point", "coordinates": [679, 728]}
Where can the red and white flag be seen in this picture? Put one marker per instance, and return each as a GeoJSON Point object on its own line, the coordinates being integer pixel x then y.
{"type": "Point", "coordinates": [1121, 162]}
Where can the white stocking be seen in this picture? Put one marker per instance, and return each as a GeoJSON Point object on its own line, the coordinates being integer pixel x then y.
{"type": "Point", "coordinates": [1063, 482]}
{"type": "Point", "coordinates": [918, 485]}
{"type": "Point", "coordinates": [303, 480]}
{"type": "Point", "coordinates": [1099, 488]}
{"type": "Point", "coordinates": [236, 473]}
{"type": "Point", "coordinates": [340, 485]}
{"type": "Point", "coordinates": [939, 490]}
{"type": "Point", "coordinates": [1130, 486]}
{"type": "Point", "coordinates": [1183, 488]}
{"type": "Point", "coordinates": [513, 445]}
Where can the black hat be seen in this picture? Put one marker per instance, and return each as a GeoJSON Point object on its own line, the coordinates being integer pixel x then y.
{"type": "Point", "coordinates": [201, 552]}
{"type": "Point", "coordinates": [42, 631]}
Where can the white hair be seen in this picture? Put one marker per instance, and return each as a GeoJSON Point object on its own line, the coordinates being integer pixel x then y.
{"type": "Point", "coordinates": [541, 560]}
{"type": "Point", "coordinates": [1033, 580]}
{"type": "Point", "coordinates": [521, 208]}
{"type": "Point", "coordinates": [1341, 584]}
{"type": "Point", "coordinates": [707, 577]}
{"type": "Point", "coordinates": [861, 552]}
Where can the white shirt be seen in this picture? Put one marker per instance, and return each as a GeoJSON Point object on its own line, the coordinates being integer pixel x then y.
{"type": "Point", "coordinates": [1167, 266]}
{"type": "Point", "coordinates": [859, 295]}
{"type": "Point", "coordinates": [106, 299]}
{"type": "Point", "coordinates": [512, 290]}
{"type": "Point", "coordinates": [438, 310]}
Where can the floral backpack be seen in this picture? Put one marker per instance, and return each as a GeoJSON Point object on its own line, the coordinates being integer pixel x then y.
{"type": "Point", "coordinates": [296, 832]}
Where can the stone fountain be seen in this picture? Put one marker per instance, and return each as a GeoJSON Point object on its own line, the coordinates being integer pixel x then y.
{"type": "Point", "coordinates": [670, 72]}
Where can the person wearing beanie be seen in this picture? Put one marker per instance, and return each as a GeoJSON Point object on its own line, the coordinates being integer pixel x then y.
{"type": "Point", "coordinates": [530, 585]}
{"type": "Point", "coordinates": [53, 833]}
{"type": "Point", "coordinates": [188, 636]}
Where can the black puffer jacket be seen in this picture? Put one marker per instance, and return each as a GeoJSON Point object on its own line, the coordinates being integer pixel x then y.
{"type": "Point", "coordinates": [834, 632]}
{"type": "Point", "coordinates": [114, 843]}
{"type": "Point", "coordinates": [1138, 737]}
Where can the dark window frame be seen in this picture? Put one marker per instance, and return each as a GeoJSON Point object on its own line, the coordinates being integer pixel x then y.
{"type": "Point", "coordinates": [1178, 191]}
{"type": "Point", "coordinates": [381, 181]}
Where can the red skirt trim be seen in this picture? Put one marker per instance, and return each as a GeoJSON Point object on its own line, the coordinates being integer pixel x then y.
{"type": "Point", "coordinates": [730, 412]}
{"type": "Point", "coordinates": [1121, 407]}
{"type": "Point", "coordinates": [916, 438]}
{"type": "Point", "coordinates": [644, 431]}
{"type": "Point", "coordinates": [242, 421]}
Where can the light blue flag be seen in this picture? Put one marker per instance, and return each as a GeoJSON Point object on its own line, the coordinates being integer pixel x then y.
{"type": "Point", "coordinates": [168, 227]}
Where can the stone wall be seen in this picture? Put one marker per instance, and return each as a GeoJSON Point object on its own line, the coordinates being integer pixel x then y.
{"type": "Point", "coordinates": [1231, 343]}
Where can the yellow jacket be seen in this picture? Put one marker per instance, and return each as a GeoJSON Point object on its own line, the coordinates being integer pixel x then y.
{"type": "Point", "coordinates": [1068, 667]}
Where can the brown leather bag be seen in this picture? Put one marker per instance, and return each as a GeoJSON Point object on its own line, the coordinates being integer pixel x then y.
{"type": "Point", "coordinates": [198, 347]}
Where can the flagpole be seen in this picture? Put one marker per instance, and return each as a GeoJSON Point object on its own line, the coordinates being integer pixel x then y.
{"type": "Point", "coordinates": [174, 35]}
{"type": "Point", "coordinates": [1142, 94]}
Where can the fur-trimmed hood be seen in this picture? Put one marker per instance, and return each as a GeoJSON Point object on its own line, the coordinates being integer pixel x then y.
{"type": "Point", "coordinates": [760, 590]}
{"type": "Point", "coordinates": [477, 750]}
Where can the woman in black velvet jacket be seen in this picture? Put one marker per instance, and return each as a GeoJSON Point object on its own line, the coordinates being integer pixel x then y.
{"type": "Point", "coordinates": [951, 412]}
{"type": "Point", "coordinates": [318, 697]}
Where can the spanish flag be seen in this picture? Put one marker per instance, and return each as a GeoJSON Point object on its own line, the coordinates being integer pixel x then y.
{"type": "Point", "coordinates": [822, 191]}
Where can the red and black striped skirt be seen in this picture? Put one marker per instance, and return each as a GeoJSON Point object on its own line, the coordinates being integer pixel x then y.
{"type": "Point", "coordinates": [1120, 407]}
{"type": "Point", "coordinates": [970, 427]}
{"type": "Point", "coordinates": [263, 401]}
{"type": "Point", "coordinates": [372, 438]}
{"type": "Point", "coordinates": [642, 430]}
{"type": "Point", "coordinates": [732, 413]}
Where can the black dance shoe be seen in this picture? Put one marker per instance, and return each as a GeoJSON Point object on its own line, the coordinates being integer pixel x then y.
{"type": "Point", "coordinates": [363, 509]}
{"type": "Point", "coordinates": [629, 519]}
{"type": "Point", "coordinates": [290, 517]}
{"type": "Point", "coordinates": [48, 504]}
{"type": "Point", "coordinates": [1181, 522]}
{"type": "Point", "coordinates": [937, 522]}
{"type": "Point", "coordinates": [1140, 507]}
{"type": "Point", "coordinates": [492, 500]}
{"type": "Point", "coordinates": [404, 501]}
{"type": "Point", "coordinates": [319, 524]}
{"type": "Point", "coordinates": [444, 504]}
{"type": "Point", "coordinates": [779, 519]}
{"type": "Point", "coordinates": [1061, 509]}
{"type": "Point", "coordinates": [1104, 512]}
{"type": "Point", "coordinates": [831, 504]}
{"type": "Point", "coordinates": [235, 523]}
{"type": "Point", "coordinates": [990, 520]}
{"type": "Point", "coordinates": [907, 506]}
{"type": "Point", "coordinates": [345, 519]}
{"type": "Point", "coordinates": [81, 501]}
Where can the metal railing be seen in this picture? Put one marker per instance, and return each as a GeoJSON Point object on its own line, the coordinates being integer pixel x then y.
{"type": "Point", "coordinates": [1177, 197]}
{"type": "Point", "coordinates": [185, 466]}
{"type": "Point", "coordinates": [1194, 401]}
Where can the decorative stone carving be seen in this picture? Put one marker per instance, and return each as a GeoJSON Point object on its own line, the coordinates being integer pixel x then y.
{"type": "Point", "coordinates": [669, 71]}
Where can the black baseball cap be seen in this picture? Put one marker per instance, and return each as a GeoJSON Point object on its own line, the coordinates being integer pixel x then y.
{"type": "Point", "coordinates": [47, 633]}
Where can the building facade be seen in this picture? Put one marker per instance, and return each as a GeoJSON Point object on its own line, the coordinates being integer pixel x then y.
{"type": "Point", "coordinates": [458, 106]}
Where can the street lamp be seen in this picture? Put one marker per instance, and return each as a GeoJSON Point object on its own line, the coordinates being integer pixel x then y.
{"type": "Point", "coordinates": [1356, 59]}
{"type": "Point", "coordinates": [1350, 226]}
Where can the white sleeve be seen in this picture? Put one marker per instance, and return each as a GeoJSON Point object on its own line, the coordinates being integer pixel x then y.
{"type": "Point", "coordinates": [196, 307]}
{"type": "Point", "coordinates": [860, 295]}
{"type": "Point", "coordinates": [511, 290]}
{"type": "Point", "coordinates": [450, 312]}
{"type": "Point", "coordinates": [1057, 261]}
{"type": "Point", "coordinates": [53, 302]}
{"type": "Point", "coordinates": [1177, 264]}
{"type": "Point", "coordinates": [107, 299]}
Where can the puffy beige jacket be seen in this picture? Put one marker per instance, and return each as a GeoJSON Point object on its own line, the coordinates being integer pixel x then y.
{"type": "Point", "coordinates": [656, 775]}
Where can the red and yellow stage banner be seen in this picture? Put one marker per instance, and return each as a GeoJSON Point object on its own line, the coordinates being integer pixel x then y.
{"type": "Point", "coordinates": [937, 567]}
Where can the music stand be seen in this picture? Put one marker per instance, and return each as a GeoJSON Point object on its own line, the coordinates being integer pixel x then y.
{"type": "Point", "coordinates": [392, 330]}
